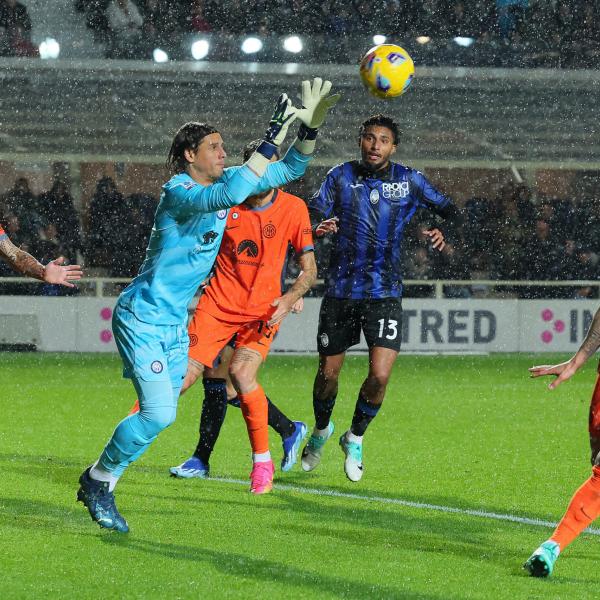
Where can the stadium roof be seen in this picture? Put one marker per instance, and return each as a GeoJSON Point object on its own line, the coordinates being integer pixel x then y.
{"type": "Point", "coordinates": [129, 111]}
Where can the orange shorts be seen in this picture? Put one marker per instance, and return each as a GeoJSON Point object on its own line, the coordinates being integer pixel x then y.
{"type": "Point", "coordinates": [209, 335]}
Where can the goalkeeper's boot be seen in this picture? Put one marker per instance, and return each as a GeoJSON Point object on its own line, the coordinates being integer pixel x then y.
{"type": "Point", "coordinates": [291, 445]}
{"type": "Point", "coordinates": [311, 455]}
{"type": "Point", "coordinates": [541, 562]}
{"type": "Point", "coordinates": [353, 466]}
{"type": "Point", "coordinates": [261, 477]}
{"type": "Point", "coordinates": [192, 467]}
{"type": "Point", "coordinates": [100, 503]}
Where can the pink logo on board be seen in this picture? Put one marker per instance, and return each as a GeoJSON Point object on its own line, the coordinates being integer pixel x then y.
{"type": "Point", "coordinates": [106, 334]}
{"type": "Point", "coordinates": [553, 326]}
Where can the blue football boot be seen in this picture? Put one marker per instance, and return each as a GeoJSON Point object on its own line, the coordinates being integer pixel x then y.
{"type": "Point", "coordinates": [100, 503]}
{"type": "Point", "coordinates": [291, 445]}
{"type": "Point", "coordinates": [192, 467]}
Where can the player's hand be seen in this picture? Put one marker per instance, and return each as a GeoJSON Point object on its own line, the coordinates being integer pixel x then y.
{"type": "Point", "coordinates": [283, 306]}
{"type": "Point", "coordinates": [56, 272]}
{"type": "Point", "coordinates": [436, 237]}
{"type": "Point", "coordinates": [326, 227]}
{"type": "Point", "coordinates": [562, 372]}
{"type": "Point", "coordinates": [315, 102]}
{"type": "Point", "coordinates": [298, 306]}
{"type": "Point", "coordinates": [282, 118]}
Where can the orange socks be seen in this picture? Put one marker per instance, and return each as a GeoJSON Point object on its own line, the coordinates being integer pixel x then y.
{"type": "Point", "coordinates": [583, 509]}
{"type": "Point", "coordinates": [256, 414]}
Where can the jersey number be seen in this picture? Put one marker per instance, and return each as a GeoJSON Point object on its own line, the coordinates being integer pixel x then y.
{"type": "Point", "coordinates": [392, 327]}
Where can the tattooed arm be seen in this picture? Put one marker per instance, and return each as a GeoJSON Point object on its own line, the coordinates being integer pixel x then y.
{"type": "Point", "coordinates": [24, 263]}
{"type": "Point", "coordinates": [566, 370]}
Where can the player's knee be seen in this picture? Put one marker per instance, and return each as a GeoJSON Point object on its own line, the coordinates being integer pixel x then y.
{"type": "Point", "coordinates": [378, 380]}
{"type": "Point", "coordinates": [243, 377]}
{"type": "Point", "coordinates": [157, 419]}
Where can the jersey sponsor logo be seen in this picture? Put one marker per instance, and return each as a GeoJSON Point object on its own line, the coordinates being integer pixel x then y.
{"type": "Point", "coordinates": [209, 237]}
{"type": "Point", "coordinates": [374, 197]}
{"type": "Point", "coordinates": [248, 247]}
{"type": "Point", "coordinates": [269, 230]}
{"type": "Point", "coordinates": [193, 339]}
{"type": "Point", "coordinates": [221, 214]}
{"type": "Point", "coordinates": [156, 367]}
{"type": "Point", "coordinates": [398, 189]}
{"type": "Point", "coordinates": [324, 340]}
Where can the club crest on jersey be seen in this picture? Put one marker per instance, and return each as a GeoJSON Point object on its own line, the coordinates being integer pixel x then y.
{"type": "Point", "coordinates": [269, 230]}
{"type": "Point", "coordinates": [221, 214]}
{"type": "Point", "coordinates": [156, 366]}
{"type": "Point", "coordinates": [374, 197]}
{"type": "Point", "coordinates": [324, 340]}
{"type": "Point", "coordinates": [398, 189]}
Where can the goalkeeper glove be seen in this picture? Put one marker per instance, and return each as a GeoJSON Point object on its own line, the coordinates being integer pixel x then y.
{"type": "Point", "coordinates": [315, 105]}
{"type": "Point", "coordinates": [282, 118]}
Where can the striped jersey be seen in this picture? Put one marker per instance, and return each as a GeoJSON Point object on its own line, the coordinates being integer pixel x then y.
{"type": "Point", "coordinates": [373, 209]}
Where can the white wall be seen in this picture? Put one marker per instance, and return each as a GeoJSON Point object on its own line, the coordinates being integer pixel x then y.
{"type": "Point", "coordinates": [83, 325]}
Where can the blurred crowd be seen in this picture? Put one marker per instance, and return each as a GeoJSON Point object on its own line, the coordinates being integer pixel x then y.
{"type": "Point", "coordinates": [15, 30]}
{"type": "Point", "coordinates": [110, 238]}
{"type": "Point", "coordinates": [509, 237]}
{"type": "Point", "coordinates": [128, 24]}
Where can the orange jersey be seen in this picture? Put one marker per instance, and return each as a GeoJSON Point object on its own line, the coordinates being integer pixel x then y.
{"type": "Point", "coordinates": [252, 255]}
{"type": "Point", "coordinates": [2, 231]}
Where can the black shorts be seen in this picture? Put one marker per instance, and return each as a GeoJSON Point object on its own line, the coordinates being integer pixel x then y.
{"type": "Point", "coordinates": [341, 321]}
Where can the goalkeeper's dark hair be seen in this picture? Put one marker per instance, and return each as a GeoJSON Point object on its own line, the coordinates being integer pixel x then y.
{"type": "Point", "coordinates": [381, 121]}
{"type": "Point", "coordinates": [251, 147]}
{"type": "Point", "coordinates": [188, 137]}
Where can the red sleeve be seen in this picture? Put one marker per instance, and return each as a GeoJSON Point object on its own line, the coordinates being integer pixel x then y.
{"type": "Point", "coordinates": [2, 234]}
{"type": "Point", "coordinates": [301, 238]}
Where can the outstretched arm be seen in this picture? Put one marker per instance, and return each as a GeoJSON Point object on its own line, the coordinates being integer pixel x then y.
{"type": "Point", "coordinates": [566, 370]}
{"type": "Point", "coordinates": [24, 263]}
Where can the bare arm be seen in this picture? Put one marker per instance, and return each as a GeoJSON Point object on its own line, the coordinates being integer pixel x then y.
{"type": "Point", "coordinates": [566, 370]}
{"type": "Point", "coordinates": [24, 263]}
{"type": "Point", "coordinates": [303, 283]}
{"type": "Point", "coordinates": [21, 261]}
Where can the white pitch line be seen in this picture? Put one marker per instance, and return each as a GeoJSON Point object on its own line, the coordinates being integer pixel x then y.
{"type": "Point", "coordinates": [407, 503]}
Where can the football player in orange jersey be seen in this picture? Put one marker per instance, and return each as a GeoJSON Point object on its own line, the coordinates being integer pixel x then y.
{"type": "Point", "coordinates": [244, 298]}
{"type": "Point", "coordinates": [22, 262]}
{"type": "Point", "coordinates": [584, 507]}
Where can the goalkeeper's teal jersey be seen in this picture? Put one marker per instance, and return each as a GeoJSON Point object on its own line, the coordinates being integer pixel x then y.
{"type": "Point", "coordinates": [188, 228]}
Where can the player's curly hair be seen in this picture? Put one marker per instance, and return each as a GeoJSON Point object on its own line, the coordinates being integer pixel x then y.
{"type": "Point", "coordinates": [381, 120]}
{"type": "Point", "coordinates": [188, 137]}
{"type": "Point", "coordinates": [251, 147]}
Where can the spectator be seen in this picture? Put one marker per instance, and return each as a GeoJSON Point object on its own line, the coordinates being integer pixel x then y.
{"type": "Point", "coordinates": [125, 26]}
{"type": "Point", "coordinates": [197, 19]}
{"type": "Point", "coordinates": [109, 227]}
{"type": "Point", "coordinates": [21, 202]}
{"type": "Point", "coordinates": [14, 14]}
{"type": "Point", "coordinates": [57, 210]}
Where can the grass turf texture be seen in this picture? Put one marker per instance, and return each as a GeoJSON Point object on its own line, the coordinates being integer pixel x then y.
{"type": "Point", "coordinates": [467, 432]}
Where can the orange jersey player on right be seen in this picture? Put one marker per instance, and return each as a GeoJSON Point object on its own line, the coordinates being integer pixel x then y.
{"type": "Point", "coordinates": [584, 507]}
{"type": "Point", "coordinates": [244, 298]}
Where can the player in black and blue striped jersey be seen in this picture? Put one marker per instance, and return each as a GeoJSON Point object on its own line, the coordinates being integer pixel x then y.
{"type": "Point", "coordinates": [366, 204]}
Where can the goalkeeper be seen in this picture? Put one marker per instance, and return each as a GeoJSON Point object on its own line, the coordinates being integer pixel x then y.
{"type": "Point", "coordinates": [150, 318]}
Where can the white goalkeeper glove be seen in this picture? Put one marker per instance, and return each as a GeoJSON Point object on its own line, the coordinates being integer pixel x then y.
{"type": "Point", "coordinates": [315, 106]}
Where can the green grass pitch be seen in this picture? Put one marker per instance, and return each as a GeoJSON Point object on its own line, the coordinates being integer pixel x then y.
{"type": "Point", "coordinates": [468, 433]}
